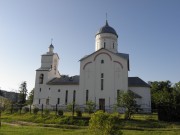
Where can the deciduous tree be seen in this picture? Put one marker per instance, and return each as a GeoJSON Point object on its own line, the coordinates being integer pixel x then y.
{"type": "Point", "coordinates": [161, 93]}
{"type": "Point", "coordinates": [22, 92]}
{"type": "Point", "coordinates": [128, 101]}
{"type": "Point", "coordinates": [30, 97]}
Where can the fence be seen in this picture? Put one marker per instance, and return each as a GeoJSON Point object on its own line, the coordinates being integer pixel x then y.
{"type": "Point", "coordinates": [83, 108]}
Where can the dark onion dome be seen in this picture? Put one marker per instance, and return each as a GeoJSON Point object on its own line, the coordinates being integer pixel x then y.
{"type": "Point", "coordinates": [51, 46]}
{"type": "Point", "coordinates": [107, 29]}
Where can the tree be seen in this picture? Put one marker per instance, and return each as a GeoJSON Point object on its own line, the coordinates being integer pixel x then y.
{"type": "Point", "coordinates": [161, 93]}
{"type": "Point", "coordinates": [30, 97]}
{"type": "Point", "coordinates": [22, 92]}
{"type": "Point", "coordinates": [90, 107]}
{"type": "Point", "coordinates": [127, 100]}
{"type": "Point", "coordinates": [5, 103]}
{"type": "Point", "coordinates": [166, 99]}
{"type": "Point", "coordinates": [176, 93]}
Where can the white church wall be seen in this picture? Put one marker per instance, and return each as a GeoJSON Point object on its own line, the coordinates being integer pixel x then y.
{"type": "Point", "coordinates": [107, 39]}
{"type": "Point", "coordinates": [145, 101]}
{"type": "Point", "coordinates": [46, 61]}
{"type": "Point", "coordinates": [90, 79]}
{"type": "Point", "coordinates": [53, 92]}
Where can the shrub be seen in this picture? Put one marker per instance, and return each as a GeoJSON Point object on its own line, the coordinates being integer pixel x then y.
{"type": "Point", "coordinates": [81, 123]}
{"type": "Point", "coordinates": [79, 113]}
{"type": "Point", "coordinates": [66, 120]}
{"type": "Point", "coordinates": [15, 110]}
{"type": "Point", "coordinates": [60, 112]}
{"type": "Point", "coordinates": [90, 107]}
{"type": "Point", "coordinates": [25, 109]}
{"type": "Point", "coordinates": [70, 107]}
{"type": "Point", "coordinates": [46, 111]}
{"type": "Point", "coordinates": [35, 110]}
{"type": "Point", "coordinates": [102, 123]}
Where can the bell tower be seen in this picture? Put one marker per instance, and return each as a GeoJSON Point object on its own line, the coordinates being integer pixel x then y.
{"type": "Point", "coordinates": [49, 66]}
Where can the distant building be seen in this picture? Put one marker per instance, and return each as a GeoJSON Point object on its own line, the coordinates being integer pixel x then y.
{"type": "Point", "coordinates": [103, 74]}
{"type": "Point", "coordinates": [12, 96]}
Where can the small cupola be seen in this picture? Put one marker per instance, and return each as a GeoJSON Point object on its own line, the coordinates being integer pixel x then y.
{"type": "Point", "coordinates": [51, 48]}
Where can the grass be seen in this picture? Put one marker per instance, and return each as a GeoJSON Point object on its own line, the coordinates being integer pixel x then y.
{"type": "Point", "coordinates": [140, 125]}
{"type": "Point", "coordinates": [37, 130]}
{"type": "Point", "coordinates": [49, 119]}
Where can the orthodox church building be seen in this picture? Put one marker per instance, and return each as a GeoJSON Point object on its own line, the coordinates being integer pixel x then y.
{"type": "Point", "coordinates": [103, 74]}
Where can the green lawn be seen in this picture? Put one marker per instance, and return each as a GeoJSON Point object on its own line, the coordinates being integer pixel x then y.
{"type": "Point", "coordinates": [139, 125]}
{"type": "Point", "coordinates": [38, 130]}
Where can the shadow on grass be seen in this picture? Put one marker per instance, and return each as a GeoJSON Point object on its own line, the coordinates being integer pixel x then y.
{"type": "Point", "coordinates": [148, 125]}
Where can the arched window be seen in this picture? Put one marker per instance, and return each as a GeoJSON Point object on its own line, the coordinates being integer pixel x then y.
{"type": "Point", "coordinates": [104, 44]}
{"type": "Point", "coordinates": [41, 78]}
{"type": "Point", "coordinates": [58, 101]}
{"type": "Point", "coordinates": [102, 81]}
{"type": "Point", "coordinates": [118, 96]}
{"type": "Point", "coordinates": [74, 96]}
{"type": "Point", "coordinates": [66, 97]}
{"type": "Point", "coordinates": [87, 96]}
{"type": "Point", "coordinates": [102, 61]}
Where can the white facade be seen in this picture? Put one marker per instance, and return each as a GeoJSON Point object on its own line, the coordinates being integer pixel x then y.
{"type": "Point", "coordinates": [145, 100]}
{"type": "Point", "coordinates": [102, 75]}
{"type": "Point", "coordinates": [104, 66]}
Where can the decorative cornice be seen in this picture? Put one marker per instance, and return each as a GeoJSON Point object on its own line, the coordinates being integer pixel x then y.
{"type": "Point", "coordinates": [103, 53]}
{"type": "Point", "coordinates": [86, 65]}
{"type": "Point", "coordinates": [119, 63]}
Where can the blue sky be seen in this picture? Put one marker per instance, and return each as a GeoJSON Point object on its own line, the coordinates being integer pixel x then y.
{"type": "Point", "coordinates": [149, 31]}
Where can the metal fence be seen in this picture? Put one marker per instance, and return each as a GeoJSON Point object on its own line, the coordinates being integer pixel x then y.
{"type": "Point", "coordinates": [29, 108]}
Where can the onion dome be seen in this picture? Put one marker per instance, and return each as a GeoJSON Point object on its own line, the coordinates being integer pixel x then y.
{"type": "Point", "coordinates": [107, 29]}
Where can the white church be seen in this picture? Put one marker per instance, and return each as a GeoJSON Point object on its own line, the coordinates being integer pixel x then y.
{"type": "Point", "coordinates": [103, 74]}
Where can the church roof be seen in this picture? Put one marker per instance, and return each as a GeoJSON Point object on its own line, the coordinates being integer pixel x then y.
{"type": "Point", "coordinates": [122, 55]}
{"type": "Point", "coordinates": [74, 80]}
{"type": "Point", "coordinates": [65, 80]}
{"type": "Point", "coordinates": [43, 69]}
{"type": "Point", "coordinates": [107, 29]}
{"type": "Point", "coordinates": [125, 56]}
{"type": "Point", "coordinates": [50, 54]}
{"type": "Point", "coordinates": [136, 82]}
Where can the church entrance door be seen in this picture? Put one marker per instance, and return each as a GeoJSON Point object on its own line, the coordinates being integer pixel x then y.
{"type": "Point", "coordinates": [102, 104]}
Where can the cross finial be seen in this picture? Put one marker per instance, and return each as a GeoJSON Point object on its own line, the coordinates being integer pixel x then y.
{"type": "Point", "coordinates": [106, 20]}
{"type": "Point", "coordinates": [51, 40]}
